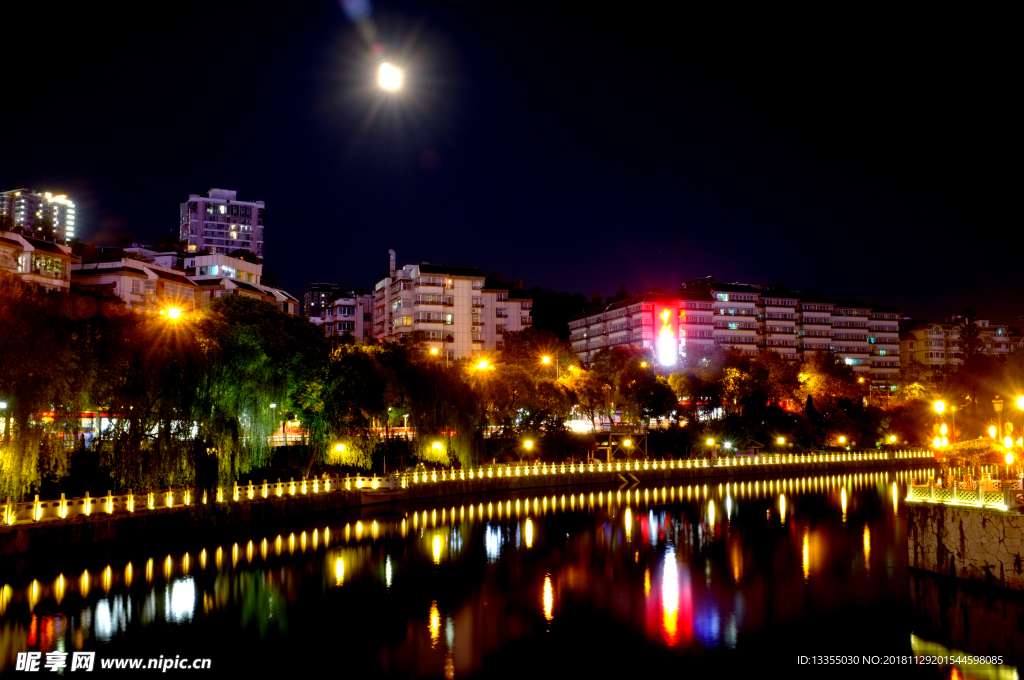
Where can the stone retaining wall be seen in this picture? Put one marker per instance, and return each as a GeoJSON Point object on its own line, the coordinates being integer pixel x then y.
{"type": "Point", "coordinates": [968, 543]}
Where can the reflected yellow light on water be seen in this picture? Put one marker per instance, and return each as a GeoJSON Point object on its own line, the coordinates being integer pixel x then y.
{"type": "Point", "coordinates": [434, 624]}
{"type": "Point", "coordinates": [249, 549]}
{"type": "Point", "coordinates": [339, 572]}
{"type": "Point", "coordinates": [867, 547]}
{"type": "Point", "coordinates": [628, 521]}
{"type": "Point", "coordinates": [263, 548]}
{"type": "Point", "coordinates": [33, 594]}
{"type": "Point", "coordinates": [167, 566]}
{"type": "Point", "coordinates": [83, 583]}
{"type": "Point", "coordinates": [58, 588]}
{"type": "Point", "coordinates": [807, 555]}
{"type": "Point", "coordinates": [149, 568]}
{"type": "Point", "coordinates": [782, 507]}
{"type": "Point", "coordinates": [108, 579]}
{"type": "Point", "coordinates": [711, 514]}
{"type": "Point", "coordinates": [895, 499]}
{"type": "Point", "coordinates": [437, 549]}
{"type": "Point", "coordinates": [647, 582]}
{"type": "Point", "coordinates": [842, 500]}
{"type": "Point", "coordinates": [202, 559]}
{"type": "Point", "coordinates": [549, 598]}
{"type": "Point", "coordinates": [528, 532]}
{"type": "Point", "coordinates": [128, 575]}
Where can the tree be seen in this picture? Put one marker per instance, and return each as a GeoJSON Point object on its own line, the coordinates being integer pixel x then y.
{"type": "Point", "coordinates": [586, 388]}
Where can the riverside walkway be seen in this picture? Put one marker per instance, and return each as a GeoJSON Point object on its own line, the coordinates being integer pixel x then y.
{"type": "Point", "coordinates": [69, 521]}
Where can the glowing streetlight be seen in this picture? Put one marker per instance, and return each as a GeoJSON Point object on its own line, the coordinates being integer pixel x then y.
{"type": "Point", "coordinates": [340, 448]}
{"type": "Point", "coordinates": [643, 364]}
{"type": "Point", "coordinates": [390, 77]}
{"type": "Point", "coordinates": [545, 359]}
{"type": "Point", "coordinates": [842, 440]}
{"type": "Point", "coordinates": [937, 443]}
{"type": "Point", "coordinates": [528, 444]}
{"type": "Point", "coordinates": [940, 406]}
{"type": "Point", "coordinates": [781, 440]}
{"type": "Point", "coordinates": [437, 446]}
{"type": "Point", "coordinates": [727, 445]}
{"type": "Point", "coordinates": [627, 443]}
{"type": "Point", "coordinates": [1007, 442]}
{"type": "Point", "coordinates": [942, 429]}
{"type": "Point", "coordinates": [892, 439]}
{"type": "Point", "coordinates": [992, 431]}
{"type": "Point", "coordinates": [173, 313]}
{"type": "Point", "coordinates": [483, 365]}
{"type": "Point", "coordinates": [435, 351]}
{"type": "Point", "coordinates": [711, 442]}
{"type": "Point", "coordinates": [1009, 459]}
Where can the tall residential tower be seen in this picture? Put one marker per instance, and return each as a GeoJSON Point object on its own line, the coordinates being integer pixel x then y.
{"type": "Point", "coordinates": [220, 223]}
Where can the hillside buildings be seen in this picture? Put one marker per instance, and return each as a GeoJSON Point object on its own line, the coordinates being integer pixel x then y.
{"type": "Point", "coordinates": [450, 308]}
{"type": "Point", "coordinates": [43, 261]}
{"type": "Point", "coordinates": [220, 223]}
{"type": "Point", "coordinates": [39, 212]}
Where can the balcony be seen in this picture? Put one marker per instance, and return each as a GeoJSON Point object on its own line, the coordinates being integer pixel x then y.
{"type": "Point", "coordinates": [526, 321]}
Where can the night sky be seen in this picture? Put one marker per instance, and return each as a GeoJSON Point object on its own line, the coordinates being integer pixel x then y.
{"type": "Point", "coordinates": [869, 155]}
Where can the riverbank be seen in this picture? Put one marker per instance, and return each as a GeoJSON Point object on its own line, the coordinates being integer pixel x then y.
{"type": "Point", "coordinates": [66, 523]}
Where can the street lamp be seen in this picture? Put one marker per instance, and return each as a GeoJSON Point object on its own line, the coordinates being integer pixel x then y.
{"type": "Point", "coordinates": [997, 406]}
{"type": "Point", "coordinates": [1020, 405]}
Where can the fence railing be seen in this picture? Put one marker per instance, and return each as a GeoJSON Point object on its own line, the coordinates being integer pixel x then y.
{"type": "Point", "coordinates": [152, 500]}
{"type": "Point", "coordinates": [998, 494]}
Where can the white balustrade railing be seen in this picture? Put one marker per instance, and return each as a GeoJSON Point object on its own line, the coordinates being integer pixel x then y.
{"type": "Point", "coordinates": [121, 504]}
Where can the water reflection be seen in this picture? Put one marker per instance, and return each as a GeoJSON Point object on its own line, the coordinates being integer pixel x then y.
{"type": "Point", "coordinates": [662, 560]}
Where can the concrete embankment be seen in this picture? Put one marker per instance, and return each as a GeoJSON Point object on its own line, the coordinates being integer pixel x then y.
{"type": "Point", "coordinates": [75, 527]}
{"type": "Point", "coordinates": [969, 543]}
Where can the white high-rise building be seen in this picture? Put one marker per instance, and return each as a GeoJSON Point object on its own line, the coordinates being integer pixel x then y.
{"type": "Point", "coordinates": [31, 210]}
{"type": "Point", "coordinates": [451, 308]}
{"type": "Point", "coordinates": [220, 223]}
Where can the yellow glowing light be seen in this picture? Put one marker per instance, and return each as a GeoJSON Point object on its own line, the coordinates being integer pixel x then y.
{"type": "Point", "coordinates": [482, 365]}
{"type": "Point", "coordinates": [643, 364]}
{"type": "Point", "coordinates": [437, 549]}
{"type": "Point", "coordinates": [390, 77]}
{"type": "Point", "coordinates": [711, 442]}
{"type": "Point", "coordinates": [627, 443]}
{"type": "Point", "coordinates": [1020, 403]}
{"type": "Point", "coordinates": [842, 440]}
{"type": "Point", "coordinates": [545, 360]}
{"type": "Point", "coordinates": [528, 532]}
{"type": "Point", "coordinates": [937, 442]}
{"type": "Point", "coordinates": [711, 513]}
{"type": "Point", "coordinates": [340, 448]}
{"type": "Point", "coordinates": [434, 624]}
{"type": "Point", "coordinates": [665, 345]}
{"type": "Point", "coordinates": [892, 438]}
{"type": "Point", "coordinates": [528, 444]}
{"type": "Point", "coordinates": [670, 598]}
{"type": "Point", "coordinates": [434, 350]}
{"type": "Point", "coordinates": [173, 313]}
{"type": "Point", "coordinates": [867, 544]}
{"type": "Point", "coordinates": [781, 440]}
{"type": "Point", "coordinates": [549, 598]}
{"type": "Point", "coordinates": [807, 556]}
{"type": "Point", "coordinates": [992, 431]}
{"type": "Point", "coordinates": [1007, 442]}
{"type": "Point", "coordinates": [1009, 459]}
{"type": "Point", "coordinates": [940, 406]}
{"type": "Point", "coordinates": [943, 430]}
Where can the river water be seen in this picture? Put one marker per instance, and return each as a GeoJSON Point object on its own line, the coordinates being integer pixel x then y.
{"type": "Point", "coordinates": [742, 578]}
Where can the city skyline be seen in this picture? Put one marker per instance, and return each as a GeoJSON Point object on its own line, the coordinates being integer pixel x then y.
{"type": "Point", "coordinates": [644, 148]}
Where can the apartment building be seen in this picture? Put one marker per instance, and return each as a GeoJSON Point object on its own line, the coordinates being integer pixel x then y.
{"type": "Point", "coordinates": [939, 344]}
{"type": "Point", "coordinates": [748, 319]}
{"type": "Point", "coordinates": [349, 314]}
{"type": "Point", "coordinates": [143, 286]}
{"type": "Point", "coordinates": [32, 211]}
{"type": "Point", "coordinates": [317, 297]}
{"type": "Point", "coordinates": [220, 223]}
{"type": "Point", "coordinates": [37, 260]}
{"type": "Point", "coordinates": [217, 275]}
{"type": "Point", "coordinates": [451, 308]}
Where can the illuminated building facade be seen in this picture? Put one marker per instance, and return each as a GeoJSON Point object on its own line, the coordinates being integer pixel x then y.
{"type": "Point", "coordinates": [451, 307]}
{"type": "Point", "coordinates": [220, 223]}
{"type": "Point", "coordinates": [747, 319]}
{"type": "Point", "coordinates": [31, 211]}
{"type": "Point", "coordinates": [348, 314]}
{"type": "Point", "coordinates": [939, 344]}
{"type": "Point", "coordinates": [44, 262]}
{"type": "Point", "coordinates": [143, 286]}
{"type": "Point", "coordinates": [218, 275]}
{"type": "Point", "coordinates": [317, 297]}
